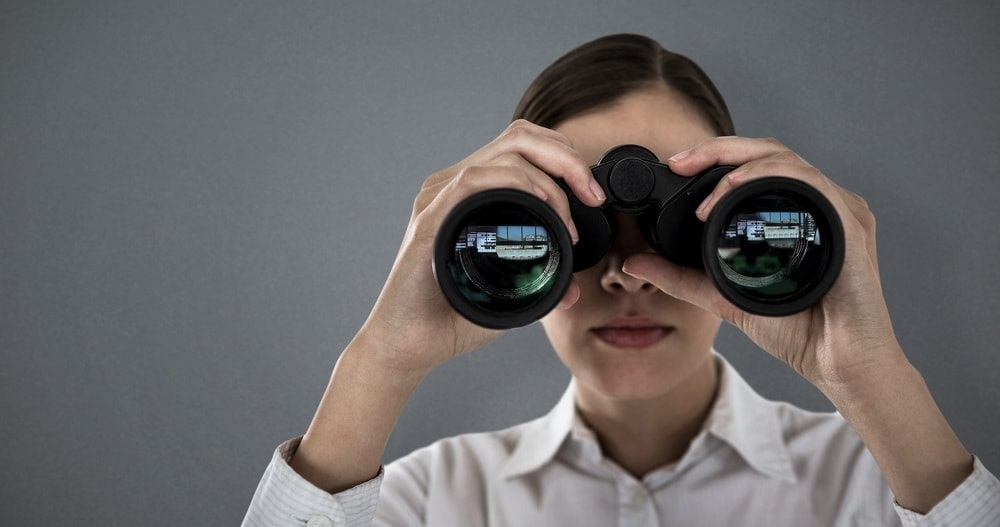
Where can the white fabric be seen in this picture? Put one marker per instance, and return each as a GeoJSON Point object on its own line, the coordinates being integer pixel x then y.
{"type": "Point", "coordinates": [756, 462]}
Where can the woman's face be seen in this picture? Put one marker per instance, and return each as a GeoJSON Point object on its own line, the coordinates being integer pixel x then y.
{"type": "Point", "coordinates": [625, 339]}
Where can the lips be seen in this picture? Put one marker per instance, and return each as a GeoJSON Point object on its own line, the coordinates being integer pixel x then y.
{"type": "Point", "coordinates": [632, 332]}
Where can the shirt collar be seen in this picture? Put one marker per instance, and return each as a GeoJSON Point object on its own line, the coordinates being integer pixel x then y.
{"type": "Point", "coordinates": [749, 424]}
{"type": "Point", "coordinates": [740, 417]}
{"type": "Point", "coordinates": [543, 437]}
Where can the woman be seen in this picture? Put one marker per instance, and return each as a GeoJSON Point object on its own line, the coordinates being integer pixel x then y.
{"type": "Point", "coordinates": [655, 427]}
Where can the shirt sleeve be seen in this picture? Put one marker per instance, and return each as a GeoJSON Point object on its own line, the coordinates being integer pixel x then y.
{"type": "Point", "coordinates": [975, 502]}
{"type": "Point", "coordinates": [284, 498]}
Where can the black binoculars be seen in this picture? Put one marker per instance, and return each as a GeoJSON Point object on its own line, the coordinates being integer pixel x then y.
{"type": "Point", "coordinates": [773, 246]}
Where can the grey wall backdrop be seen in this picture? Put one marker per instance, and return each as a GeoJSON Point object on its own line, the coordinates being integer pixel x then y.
{"type": "Point", "coordinates": [199, 203]}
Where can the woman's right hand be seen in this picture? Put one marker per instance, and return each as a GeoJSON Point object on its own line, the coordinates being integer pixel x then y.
{"type": "Point", "coordinates": [413, 325]}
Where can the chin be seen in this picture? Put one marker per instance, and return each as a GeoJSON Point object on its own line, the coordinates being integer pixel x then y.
{"type": "Point", "coordinates": [646, 374]}
{"type": "Point", "coordinates": [625, 378]}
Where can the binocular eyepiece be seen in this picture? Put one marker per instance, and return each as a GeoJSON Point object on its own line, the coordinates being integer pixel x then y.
{"type": "Point", "coordinates": [772, 246]}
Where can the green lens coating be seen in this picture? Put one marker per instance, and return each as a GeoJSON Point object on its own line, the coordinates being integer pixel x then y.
{"type": "Point", "coordinates": [769, 252]}
{"type": "Point", "coordinates": [501, 266]}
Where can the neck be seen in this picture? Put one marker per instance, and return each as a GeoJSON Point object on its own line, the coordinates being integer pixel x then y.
{"type": "Point", "coordinates": [644, 434]}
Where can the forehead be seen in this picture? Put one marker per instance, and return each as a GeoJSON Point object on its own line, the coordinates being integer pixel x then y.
{"type": "Point", "coordinates": [657, 118]}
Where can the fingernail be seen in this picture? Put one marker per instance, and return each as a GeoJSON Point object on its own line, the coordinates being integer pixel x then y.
{"type": "Point", "coordinates": [631, 273]}
{"type": "Point", "coordinates": [679, 155]}
{"type": "Point", "coordinates": [704, 204]}
{"type": "Point", "coordinates": [597, 191]}
{"type": "Point", "coordinates": [573, 233]}
{"type": "Point", "coordinates": [536, 190]}
{"type": "Point", "coordinates": [736, 176]}
{"type": "Point", "coordinates": [637, 276]}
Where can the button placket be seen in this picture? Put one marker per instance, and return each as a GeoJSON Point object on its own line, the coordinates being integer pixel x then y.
{"type": "Point", "coordinates": [319, 521]}
{"type": "Point", "coordinates": [636, 507]}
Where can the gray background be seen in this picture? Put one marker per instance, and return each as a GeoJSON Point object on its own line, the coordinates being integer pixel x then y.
{"type": "Point", "coordinates": [199, 203]}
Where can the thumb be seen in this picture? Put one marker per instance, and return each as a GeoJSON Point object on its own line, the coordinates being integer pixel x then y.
{"type": "Point", "coordinates": [683, 283]}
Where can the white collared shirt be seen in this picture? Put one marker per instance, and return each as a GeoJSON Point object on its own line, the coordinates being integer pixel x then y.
{"type": "Point", "coordinates": [756, 462]}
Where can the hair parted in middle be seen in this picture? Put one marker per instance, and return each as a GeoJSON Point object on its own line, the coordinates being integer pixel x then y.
{"type": "Point", "coordinates": [604, 70]}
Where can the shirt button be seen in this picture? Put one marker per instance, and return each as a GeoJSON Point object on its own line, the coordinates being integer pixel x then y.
{"type": "Point", "coordinates": [638, 500]}
{"type": "Point", "coordinates": [319, 521]}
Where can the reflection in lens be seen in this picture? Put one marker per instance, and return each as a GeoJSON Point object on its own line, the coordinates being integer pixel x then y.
{"type": "Point", "coordinates": [504, 262]}
{"type": "Point", "coordinates": [764, 250]}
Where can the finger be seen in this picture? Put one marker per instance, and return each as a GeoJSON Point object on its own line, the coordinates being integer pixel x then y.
{"type": "Point", "coordinates": [553, 154]}
{"type": "Point", "coordinates": [541, 130]}
{"type": "Point", "coordinates": [435, 201]}
{"type": "Point", "coordinates": [861, 212]}
{"type": "Point", "coordinates": [728, 150]}
{"type": "Point", "coordinates": [785, 164]}
{"type": "Point", "coordinates": [487, 153]}
{"type": "Point", "coordinates": [684, 283]}
{"type": "Point", "coordinates": [545, 188]}
{"type": "Point", "coordinates": [724, 185]}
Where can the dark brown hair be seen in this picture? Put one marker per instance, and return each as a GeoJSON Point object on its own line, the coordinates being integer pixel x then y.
{"type": "Point", "coordinates": [603, 70]}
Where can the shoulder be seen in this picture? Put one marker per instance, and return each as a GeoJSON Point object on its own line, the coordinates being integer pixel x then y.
{"type": "Point", "coordinates": [810, 433]}
{"type": "Point", "coordinates": [459, 460]}
{"type": "Point", "coordinates": [428, 481]}
{"type": "Point", "coordinates": [810, 439]}
{"type": "Point", "coordinates": [798, 425]}
{"type": "Point", "coordinates": [827, 453]}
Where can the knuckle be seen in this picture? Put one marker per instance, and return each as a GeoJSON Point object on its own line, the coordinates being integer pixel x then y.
{"type": "Point", "coordinates": [435, 178]}
{"type": "Point", "coordinates": [772, 167]}
{"type": "Point", "coordinates": [715, 141]}
{"type": "Point", "coordinates": [516, 131]}
{"type": "Point", "coordinates": [862, 210]}
{"type": "Point", "coordinates": [423, 199]}
{"type": "Point", "coordinates": [422, 225]}
{"type": "Point", "coordinates": [467, 173]}
{"type": "Point", "coordinates": [716, 146]}
{"type": "Point", "coordinates": [476, 177]}
{"type": "Point", "coordinates": [814, 174]}
{"type": "Point", "coordinates": [509, 159]}
{"type": "Point", "coordinates": [788, 156]}
{"type": "Point", "coordinates": [773, 142]}
{"type": "Point", "coordinates": [862, 202]}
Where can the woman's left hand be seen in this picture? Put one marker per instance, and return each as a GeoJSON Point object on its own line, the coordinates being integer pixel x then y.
{"type": "Point", "coordinates": [845, 344]}
{"type": "Point", "coordinates": [836, 341]}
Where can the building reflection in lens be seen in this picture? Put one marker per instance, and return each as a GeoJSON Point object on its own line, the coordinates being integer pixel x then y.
{"type": "Point", "coordinates": [764, 248]}
{"type": "Point", "coordinates": [507, 242]}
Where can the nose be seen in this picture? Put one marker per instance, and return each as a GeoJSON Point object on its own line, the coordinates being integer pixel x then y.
{"type": "Point", "coordinates": [628, 241]}
{"type": "Point", "coordinates": [613, 280]}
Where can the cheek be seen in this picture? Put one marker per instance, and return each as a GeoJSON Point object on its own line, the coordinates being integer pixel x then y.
{"type": "Point", "coordinates": [700, 326]}
{"type": "Point", "coordinates": [560, 328]}
{"type": "Point", "coordinates": [564, 325]}
{"type": "Point", "coordinates": [589, 281]}
{"type": "Point", "coordinates": [567, 334]}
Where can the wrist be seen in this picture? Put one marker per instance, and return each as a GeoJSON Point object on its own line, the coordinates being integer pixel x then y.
{"type": "Point", "coordinates": [344, 443]}
{"type": "Point", "coordinates": [397, 364]}
{"type": "Point", "coordinates": [864, 372]}
{"type": "Point", "coordinates": [890, 407]}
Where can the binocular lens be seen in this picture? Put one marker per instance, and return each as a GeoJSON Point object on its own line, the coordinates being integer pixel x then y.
{"type": "Point", "coordinates": [777, 247]}
{"type": "Point", "coordinates": [502, 258]}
